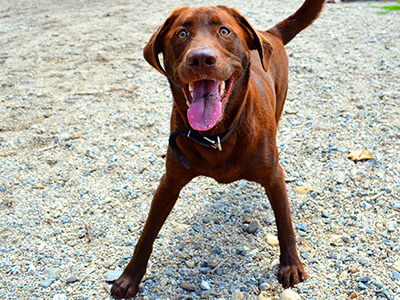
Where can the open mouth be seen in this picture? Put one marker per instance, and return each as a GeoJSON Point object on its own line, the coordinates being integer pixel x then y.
{"type": "Point", "coordinates": [206, 100]}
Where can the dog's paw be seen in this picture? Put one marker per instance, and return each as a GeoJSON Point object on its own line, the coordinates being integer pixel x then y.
{"type": "Point", "coordinates": [125, 287]}
{"type": "Point", "coordinates": [291, 274]}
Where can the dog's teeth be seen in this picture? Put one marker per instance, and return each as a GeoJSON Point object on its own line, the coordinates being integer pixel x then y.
{"type": "Point", "coordinates": [190, 88]}
{"type": "Point", "coordinates": [222, 88]}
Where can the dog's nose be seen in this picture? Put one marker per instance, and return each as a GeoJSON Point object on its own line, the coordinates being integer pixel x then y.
{"type": "Point", "coordinates": [200, 58]}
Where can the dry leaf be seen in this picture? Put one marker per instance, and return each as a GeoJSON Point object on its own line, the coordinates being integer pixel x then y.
{"type": "Point", "coordinates": [303, 189]}
{"type": "Point", "coordinates": [359, 154]}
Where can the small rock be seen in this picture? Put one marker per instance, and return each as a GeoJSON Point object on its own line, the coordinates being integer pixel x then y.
{"type": "Point", "coordinates": [263, 296]}
{"type": "Point", "coordinates": [109, 262]}
{"type": "Point", "coordinates": [305, 255]}
{"type": "Point", "coordinates": [188, 286]}
{"type": "Point", "coordinates": [164, 281]}
{"type": "Point", "coordinates": [343, 276]}
{"type": "Point", "coordinates": [346, 238]}
{"type": "Point", "coordinates": [72, 279]}
{"type": "Point", "coordinates": [204, 285]}
{"type": "Point", "coordinates": [324, 214]}
{"type": "Point", "coordinates": [205, 270]}
{"type": "Point", "coordinates": [47, 282]}
{"type": "Point", "coordinates": [253, 226]}
{"type": "Point", "coordinates": [378, 284]}
{"type": "Point", "coordinates": [272, 240]}
{"type": "Point", "coordinates": [354, 268]}
{"type": "Point", "coordinates": [52, 272]}
{"type": "Point", "coordinates": [301, 227]}
{"type": "Point", "coordinates": [289, 295]}
{"type": "Point", "coordinates": [264, 286]}
{"type": "Point", "coordinates": [242, 184]}
{"type": "Point", "coordinates": [246, 218]}
{"type": "Point", "coordinates": [340, 176]}
{"type": "Point", "coordinates": [112, 276]}
{"type": "Point", "coordinates": [31, 269]}
{"type": "Point", "coordinates": [362, 286]}
{"type": "Point", "coordinates": [245, 227]}
{"type": "Point", "coordinates": [241, 251]}
{"type": "Point", "coordinates": [353, 295]}
{"type": "Point", "coordinates": [364, 279]}
{"type": "Point", "coordinates": [237, 295]}
{"type": "Point", "coordinates": [59, 297]}
{"type": "Point", "coordinates": [190, 264]}
{"type": "Point", "coordinates": [391, 228]}
{"type": "Point", "coordinates": [207, 220]}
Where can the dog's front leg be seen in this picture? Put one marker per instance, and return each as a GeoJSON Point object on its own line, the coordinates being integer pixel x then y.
{"type": "Point", "coordinates": [164, 200]}
{"type": "Point", "coordinates": [291, 270]}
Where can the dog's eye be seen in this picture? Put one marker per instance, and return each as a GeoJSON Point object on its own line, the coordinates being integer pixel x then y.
{"type": "Point", "coordinates": [223, 31]}
{"type": "Point", "coordinates": [182, 34]}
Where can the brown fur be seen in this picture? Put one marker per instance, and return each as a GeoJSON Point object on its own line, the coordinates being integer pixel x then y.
{"type": "Point", "coordinates": [259, 62]}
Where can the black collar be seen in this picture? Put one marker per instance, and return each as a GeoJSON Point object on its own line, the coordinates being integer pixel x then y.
{"type": "Point", "coordinates": [214, 141]}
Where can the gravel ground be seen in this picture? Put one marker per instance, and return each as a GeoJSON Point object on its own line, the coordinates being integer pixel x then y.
{"type": "Point", "coordinates": [83, 132]}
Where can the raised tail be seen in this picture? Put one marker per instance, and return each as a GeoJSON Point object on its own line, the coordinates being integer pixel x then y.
{"type": "Point", "coordinates": [302, 18]}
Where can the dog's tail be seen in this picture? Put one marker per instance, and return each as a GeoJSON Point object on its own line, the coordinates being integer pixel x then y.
{"type": "Point", "coordinates": [302, 18]}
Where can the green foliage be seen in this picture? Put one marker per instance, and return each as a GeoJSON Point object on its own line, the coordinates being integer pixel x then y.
{"type": "Point", "coordinates": [389, 7]}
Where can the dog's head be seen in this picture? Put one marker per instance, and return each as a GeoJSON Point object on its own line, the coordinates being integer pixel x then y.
{"type": "Point", "coordinates": [205, 51]}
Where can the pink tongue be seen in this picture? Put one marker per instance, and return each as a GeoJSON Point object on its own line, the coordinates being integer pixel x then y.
{"type": "Point", "coordinates": [206, 107]}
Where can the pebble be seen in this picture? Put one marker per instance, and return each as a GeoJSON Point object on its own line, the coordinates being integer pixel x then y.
{"type": "Point", "coordinates": [346, 238]}
{"type": "Point", "coordinates": [47, 282]}
{"type": "Point", "coordinates": [112, 275]}
{"type": "Point", "coordinates": [362, 286]}
{"type": "Point", "coordinates": [289, 295]}
{"type": "Point", "coordinates": [237, 295]}
{"type": "Point", "coordinates": [354, 295]}
{"type": "Point", "coordinates": [264, 286]}
{"type": "Point", "coordinates": [378, 284]}
{"type": "Point", "coordinates": [204, 285]}
{"type": "Point", "coordinates": [52, 272]}
{"type": "Point", "coordinates": [364, 279]}
{"type": "Point", "coordinates": [272, 240]}
{"type": "Point", "coordinates": [253, 226]}
{"type": "Point", "coordinates": [301, 227]}
{"type": "Point", "coordinates": [354, 268]}
{"type": "Point", "coordinates": [340, 177]}
{"type": "Point", "coordinates": [109, 262]}
{"type": "Point", "coordinates": [60, 297]}
{"type": "Point", "coordinates": [31, 269]}
{"type": "Point", "coordinates": [188, 286]}
{"type": "Point", "coordinates": [391, 229]}
{"type": "Point", "coordinates": [190, 264]}
{"type": "Point", "coordinates": [264, 296]}
{"type": "Point", "coordinates": [324, 214]}
{"type": "Point", "coordinates": [72, 279]}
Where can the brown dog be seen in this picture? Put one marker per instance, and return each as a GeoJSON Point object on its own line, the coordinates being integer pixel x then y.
{"type": "Point", "coordinates": [229, 83]}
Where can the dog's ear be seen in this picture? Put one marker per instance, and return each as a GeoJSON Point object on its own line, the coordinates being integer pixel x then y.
{"type": "Point", "coordinates": [254, 39]}
{"type": "Point", "coordinates": [155, 46]}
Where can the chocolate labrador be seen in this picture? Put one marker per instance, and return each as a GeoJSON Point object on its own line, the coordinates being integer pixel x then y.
{"type": "Point", "coordinates": [229, 84]}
